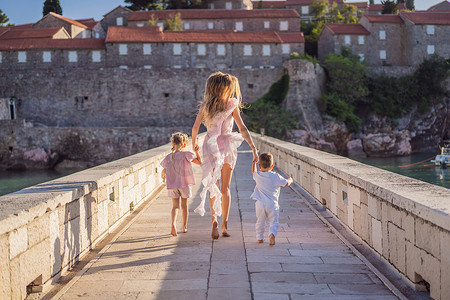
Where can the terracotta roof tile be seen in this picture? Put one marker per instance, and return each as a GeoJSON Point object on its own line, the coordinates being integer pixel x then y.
{"type": "Point", "coordinates": [309, 2]}
{"type": "Point", "coordinates": [384, 18]}
{"type": "Point", "coordinates": [34, 44]}
{"type": "Point", "coordinates": [428, 18]}
{"type": "Point", "coordinates": [23, 26]}
{"type": "Point", "coordinates": [359, 5]}
{"type": "Point", "coordinates": [89, 23]}
{"type": "Point", "coordinates": [379, 7]}
{"type": "Point", "coordinates": [347, 29]}
{"type": "Point", "coordinates": [73, 22]}
{"type": "Point", "coordinates": [149, 35]}
{"type": "Point", "coordinates": [187, 14]}
{"type": "Point", "coordinates": [39, 33]}
{"type": "Point", "coordinates": [268, 4]}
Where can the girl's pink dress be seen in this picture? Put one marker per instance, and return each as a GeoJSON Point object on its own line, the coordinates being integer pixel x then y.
{"type": "Point", "coordinates": [179, 172]}
{"type": "Point", "coordinates": [219, 147]}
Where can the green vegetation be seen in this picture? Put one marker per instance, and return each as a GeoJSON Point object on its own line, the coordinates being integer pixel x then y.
{"type": "Point", "coordinates": [51, 6]}
{"type": "Point", "coordinates": [267, 112]}
{"type": "Point", "coordinates": [350, 93]}
{"type": "Point", "coordinates": [174, 23]}
{"type": "Point", "coordinates": [162, 4]}
{"type": "Point", "coordinates": [389, 7]}
{"type": "Point", "coordinates": [3, 19]}
{"type": "Point", "coordinates": [296, 55]}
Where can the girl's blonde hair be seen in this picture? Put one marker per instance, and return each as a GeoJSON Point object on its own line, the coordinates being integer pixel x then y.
{"type": "Point", "coordinates": [178, 139]}
{"type": "Point", "coordinates": [219, 88]}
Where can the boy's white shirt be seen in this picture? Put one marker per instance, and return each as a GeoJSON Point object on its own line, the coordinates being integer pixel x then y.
{"type": "Point", "coordinates": [267, 187]}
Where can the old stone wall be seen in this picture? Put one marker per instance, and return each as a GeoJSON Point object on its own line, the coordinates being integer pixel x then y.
{"type": "Point", "coordinates": [406, 221]}
{"type": "Point", "coordinates": [114, 97]}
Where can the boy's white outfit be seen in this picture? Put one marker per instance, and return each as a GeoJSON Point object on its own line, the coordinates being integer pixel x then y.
{"type": "Point", "coordinates": [266, 193]}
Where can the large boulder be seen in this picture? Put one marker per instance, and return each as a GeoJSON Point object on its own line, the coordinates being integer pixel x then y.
{"type": "Point", "coordinates": [386, 144]}
{"type": "Point", "coordinates": [308, 139]}
{"type": "Point", "coordinates": [355, 148]}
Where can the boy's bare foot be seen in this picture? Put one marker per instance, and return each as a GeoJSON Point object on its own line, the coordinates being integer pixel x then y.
{"type": "Point", "coordinates": [271, 240]}
{"type": "Point", "coordinates": [260, 241]}
{"type": "Point", "coordinates": [173, 231]}
{"type": "Point", "coordinates": [215, 230]}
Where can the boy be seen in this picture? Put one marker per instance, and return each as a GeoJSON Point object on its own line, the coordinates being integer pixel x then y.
{"type": "Point", "coordinates": [266, 193]}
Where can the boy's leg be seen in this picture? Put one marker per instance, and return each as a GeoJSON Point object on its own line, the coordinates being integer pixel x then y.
{"type": "Point", "coordinates": [273, 216]}
{"type": "Point", "coordinates": [174, 213]}
{"type": "Point", "coordinates": [185, 213]}
{"type": "Point", "coordinates": [260, 221]}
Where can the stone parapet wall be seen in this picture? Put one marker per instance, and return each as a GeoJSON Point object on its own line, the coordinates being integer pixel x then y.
{"type": "Point", "coordinates": [45, 229]}
{"type": "Point", "coordinates": [406, 221]}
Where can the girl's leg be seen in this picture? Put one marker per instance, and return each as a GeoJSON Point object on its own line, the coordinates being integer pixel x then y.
{"type": "Point", "coordinates": [184, 210]}
{"type": "Point", "coordinates": [215, 225]}
{"type": "Point", "coordinates": [174, 213]}
{"type": "Point", "coordinates": [227, 172]}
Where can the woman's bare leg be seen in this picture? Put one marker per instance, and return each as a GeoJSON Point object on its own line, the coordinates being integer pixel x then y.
{"type": "Point", "coordinates": [174, 213]}
{"type": "Point", "coordinates": [215, 225]}
{"type": "Point", "coordinates": [185, 214]}
{"type": "Point", "coordinates": [227, 173]}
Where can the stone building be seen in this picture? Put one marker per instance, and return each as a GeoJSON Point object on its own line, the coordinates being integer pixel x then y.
{"type": "Point", "coordinates": [269, 4]}
{"type": "Point", "coordinates": [74, 28]}
{"type": "Point", "coordinates": [117, 17]}
{"type": "Point", "coordinates": [229, 4]}
{"type": "Point", "coordinates": [239, 20]}
{"type": "Point", "coordinates": [442, 6]}
{"type": "Point", "coordinates": [303, 7]}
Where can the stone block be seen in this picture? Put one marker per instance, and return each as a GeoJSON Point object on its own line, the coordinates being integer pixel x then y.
{"type": "Point", "coordinates": [333, 204]}
{"type": "Point", "coordinates": [38, 230]}
{"type": "Point", "coordinates": [5, 280]}
{"type": "Point", "coordinates": [18, 241]}
{"type": "Point", "coordinates": [445, 264]}
{"type": "Point", "coordinates": [71, 243]}
{"type": "Point", "coordinates": [35, 264]}
{"type": "Point", "coordinates": [18, 289]}
{"type": "Point", "coordinates": [102, 217]}
{"type": "Point", "coordinates": [408, 224]}
{"type": "Point", "coordinates": [142, 176]}
{"type": "Point", "coordinates": [113, 213]}
{"type": "Point", "coordinates": [357, 220]}
{"type": "Point", "coordinates": [397, 247]}
{"type": "Point", "coordinates": [364, 197]}
{"type": "Point", "coordinates": [427, 237]}
{"type": "Point", "coordinates": [354, 195]}
{"type": "Point", "coordinates": [55, 242]}
{"type": "Point", "coordinates": [72, 210]}
{"type": "Point", "coordinates": [364, 215]}
{"type": "Point", "coordinates": [334, 186]}
{"type": "Point", "coordinates": [325, 191]}
{"type": "Point", "coordinates": [376, 236]}
{"type": "Point", "coordinates": [374, 207]}
{"type": "Point", "coordinates": [102, 194]}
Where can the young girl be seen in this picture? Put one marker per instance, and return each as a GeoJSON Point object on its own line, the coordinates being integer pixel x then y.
{"type": "Point", "coordinates": [219, 110]}
{"type": "Point", "coordinates": [178, 172]}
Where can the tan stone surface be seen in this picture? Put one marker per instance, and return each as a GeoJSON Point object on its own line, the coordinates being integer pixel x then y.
{"type": "Point", "coordinates": [145, 262]}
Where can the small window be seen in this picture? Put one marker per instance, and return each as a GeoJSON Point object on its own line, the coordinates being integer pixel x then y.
{"type": "Point", "coordinates": [200, 66]}
{"type": "Point", "coordinates": [284, 25]}
{"type": "Point", "coordinates": [201, 49]}
{"type": "Point", "coordinates": [221, 66]}
{"type": "Point", "coordinates": [160, 25]}
{"type": "Point", "coordinates": [266, 24]}
{"type": "Point", "coordinates": [228, 5]}
{"type": "Point", "coordinates": [247, 50]}
{"type": "Point", "coordinates": [220, 50]}
{"type": "Point", "coordinates": [266, 50]}
{"type": "Point", "coordinates": [148, 67]}
{"type": "Point", "coordinates": [140, 24]}
{"type": "Point", "coordinates": [97, 35]}
{"type": "Point", "coordinates": [382, 34]}
{"type": "Point", "coordinates": [123, 67]}
{"type": "Point", "coordinates": [430, 29]}
{"type": "Point", "coordinates": [176, 49]}
{"type": "Point", "coordinates": [177, 67]}
{"type": "Point", "coordinates": [361, 56]}
{"type": "Point", "coordinates": [248, 67]}
{"type": "Point", "coordinates": [211, 6]}
{"type": "Point", "coordinates": [96, 56]}
{"type": "Point", "coordinates": [119, 21]}
{"type": "Point", "coordinates": [430, 49]}
{"type": "Point", "coordinates": [305, 10]}
{"type": "Point", "coordinates": [84, 34]}
{"type": "Point", "coordinates": [187, 26]}
{"type": "Point", "coordinates": [46, 56]}
{"type": "Point", "coordinates": [286, 48]}
{"type": "Point", "coordinates": [210, 25]}
{"type": "Point", "coordinates": [73, 57]}
{"type": "Point", "coordinates": [22, 56]}
{"type": "Point", "coordinates": [250, 85]}
{"type": "Point", "coordinates": [382, 54]}
{"type": "Point", "coordinates": [147, 49]}
{"type": "Point", "coordinates": [361, 40]}
{"type": "Point", "coordinates": [239, 26]}
{"type": "Point", "coordinates": [1, 57]}
{"type": "Point", "coordinates": [347, 39]}
{"type": "Point", "coordinates": [123, 49]}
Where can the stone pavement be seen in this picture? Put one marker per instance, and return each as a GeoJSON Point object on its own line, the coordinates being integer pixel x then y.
{"type": "Point", "coordinates": [308, 261]}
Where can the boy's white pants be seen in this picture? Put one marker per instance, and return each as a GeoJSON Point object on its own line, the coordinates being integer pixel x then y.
{"type": "Point", "coordinates": [266, 213]}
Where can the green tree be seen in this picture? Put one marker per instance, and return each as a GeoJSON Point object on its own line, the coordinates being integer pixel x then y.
{"type": "Point", "coordinates": [410, 4]}
{"type": "Point", "coordinates": [3, 19]}
{"type": "Point", "coordinates": [146, 4]}
{"type": "Point", "coordinates": [174, 23]}
{"type": "Point", "coordinates": [371, 1]}
{"type": "Point", "coordinates": [389, 7]}
{"type": "Point", "coordinates": [51, 6]}
{"type": "Point", "coordinates": [319, 9]}
{"type": "Point", "coordinates": [349, 14]}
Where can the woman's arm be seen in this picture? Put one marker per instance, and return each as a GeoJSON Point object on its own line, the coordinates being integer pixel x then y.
{"type": "Point", "coordinates": [245, 134]}
{"type": "Point", "coordinates": [196, 127]}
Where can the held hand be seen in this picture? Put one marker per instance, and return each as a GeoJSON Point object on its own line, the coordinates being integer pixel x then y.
{"type": "Point", "coordinates": [195, 147]}
{"type": "Point", "coordinates": [163, 174]}
{"type": "Point", "coordinates": [255, 156]}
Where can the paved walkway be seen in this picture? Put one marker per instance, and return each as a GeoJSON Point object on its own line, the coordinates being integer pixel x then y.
{"type": "Point", "coordinates": [307, 262]}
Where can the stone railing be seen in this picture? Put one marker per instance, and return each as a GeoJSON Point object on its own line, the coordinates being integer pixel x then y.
{"type": "Point", "coordinates": [45, 229]}
{"type": "Point", "coordinates": [406, 221]}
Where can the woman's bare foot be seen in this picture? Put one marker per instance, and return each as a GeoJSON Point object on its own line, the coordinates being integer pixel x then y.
{"type": "Point", "coordinates": [174, 231]}
{"type": "Point", "coordinates": [184, 230]}
{"type": "Point", "coordinates": [260, 241]}
{"type": "Point", "coordinates": [271, 240]}
{"type": "Point", "coordinates": [215, 230]}
{"type": "Point", "coordinates": [224, 230]}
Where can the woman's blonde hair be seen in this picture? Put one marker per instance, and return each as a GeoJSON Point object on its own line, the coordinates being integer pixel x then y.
{"type": "Point", "coordinates": [219, 88]}
{"type": "Point", "coordinates": [178, 139]}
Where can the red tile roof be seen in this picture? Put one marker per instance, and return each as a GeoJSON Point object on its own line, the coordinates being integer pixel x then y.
{"type": "Point", "coordinates": [73, 22]}
{"type": "Point", "coordinates": [268, 4]}
{"type": "Point", "coordinates": [187, 14]}
{"type": "Point", "coordinates": [428, 18]}
{"type": "Point", "coordinates": [90, 23]}
{"type": "Point", "coordinates": [23, 26]}
{"type": "Point", "coordinates": [379, 7]}
{"type": "Point", "coordinates": [150, 35]}
{"type": "Point", "coordinates": [347, 29]}
{"type": "Point", "coordinates": [38, 33]}
{"type": "Point", "coordinates": [34, 44]}
{"type": "Point", "coordinates": [360, 5]}
{"type": "Point", "coordinates": [384, 18]}
{"type": "Point", "coordinates": [309, 2]}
